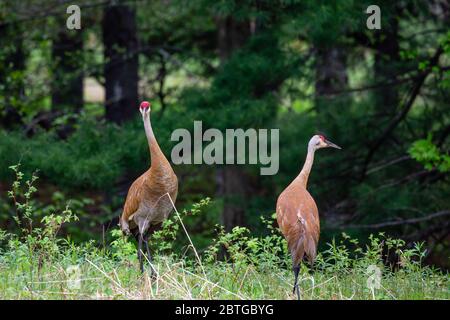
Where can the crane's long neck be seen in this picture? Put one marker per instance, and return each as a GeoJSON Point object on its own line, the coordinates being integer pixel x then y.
{"type": "Point", "coordinates": [304, 174]}
{"type": "Point", "coordinates": [157, 156]}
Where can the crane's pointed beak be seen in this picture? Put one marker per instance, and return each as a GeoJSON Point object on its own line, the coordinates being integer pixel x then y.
{"type": "Point", "coordinates": [332, 145]}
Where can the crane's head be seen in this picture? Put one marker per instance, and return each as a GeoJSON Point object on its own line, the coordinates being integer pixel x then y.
{"type": "Point", "coordinates": [144, 108]}
{"type": "Point", "coordinates": [319, 141]}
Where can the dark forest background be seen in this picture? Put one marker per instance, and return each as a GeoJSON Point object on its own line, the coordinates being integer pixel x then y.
{"type": "Point", "coordinates": [69, 108]}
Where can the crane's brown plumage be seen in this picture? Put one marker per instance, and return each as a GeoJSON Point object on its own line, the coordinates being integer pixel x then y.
{"type": "Point", "coordinates": [149, 199]}
{"type": "Point", "coordinates": [298, 218]}
{"type": "Point", "coordinates": [297, 213]}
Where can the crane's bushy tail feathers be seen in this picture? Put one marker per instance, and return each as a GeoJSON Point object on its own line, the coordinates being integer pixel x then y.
{"type": "Point", "coordinates": [301, 246]}
{"type": "Point", "coordinates": [296, 243]}
{"type": "Point", "coordinates": [310, 249]}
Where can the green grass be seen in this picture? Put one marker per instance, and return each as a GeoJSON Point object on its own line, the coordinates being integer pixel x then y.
{"type": "Point", "coordinates": [101, 276]}
{"type": "Point", "coordinates": [36, 263]}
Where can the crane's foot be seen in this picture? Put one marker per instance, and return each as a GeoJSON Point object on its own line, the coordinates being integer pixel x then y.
{"type": "Point", "coordinates": [296, 289]}
{"type": "Point", "coordinates": [152, 272]}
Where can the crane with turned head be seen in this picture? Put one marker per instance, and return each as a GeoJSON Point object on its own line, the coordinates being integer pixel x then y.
{"type": "Point", "coordinates": [297, 213]}
{"type": "Point", "coordinates": [151, 196]}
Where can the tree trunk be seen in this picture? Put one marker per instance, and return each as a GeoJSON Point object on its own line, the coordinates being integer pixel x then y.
{"type": "Point", "coordinates": [121, 67]}
{"type": "Point", "coordinates": [331, 75]}
{"type": "Point", "coordinates": [232, 184]}
{"type": "Point", "coordinates": [234, 191]}
{"type": "Point", "coordinates": [13, 91]}
{"type": "Point", "coordinates": [231, 35]}
{"type": "Point", "coordinates": [67, 89]}
{"type": "Point", "coordinates": [386, 58]}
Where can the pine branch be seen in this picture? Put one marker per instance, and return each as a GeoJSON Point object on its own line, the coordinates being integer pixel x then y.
{"type": "Point", "coordinates": [399, 222]}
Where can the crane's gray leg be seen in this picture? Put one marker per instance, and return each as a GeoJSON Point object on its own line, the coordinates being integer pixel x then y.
{"type": "Point", "coordinates": [149, 256]}
{"type": "Point", "coordinates": [141, 265]}
{"type": "Point", "coordinates": [296, 270]}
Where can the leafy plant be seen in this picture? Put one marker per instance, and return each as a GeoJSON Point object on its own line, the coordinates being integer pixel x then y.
{"type": "Point", "coordinates": [428, 154]}
{"type": "Point", "coordinates": [39, 237]}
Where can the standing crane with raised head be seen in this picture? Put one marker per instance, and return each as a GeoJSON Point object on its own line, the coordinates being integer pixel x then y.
{"type": "Point", "coordinates": [151, 197]}
{"type": "Point", "coordinates": [297, 213]}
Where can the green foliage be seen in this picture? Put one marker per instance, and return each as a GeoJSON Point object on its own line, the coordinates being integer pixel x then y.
{"type": "Point", "coordinates": [36, 238]}
{"type": "Point", "coordinates": [339, 273]}
{"type": "Point", "coordinates": [40, 265]}
{"type": "Point", "coordinates": [24, 210]}
{"type": "Point", "coordinates": [243, 87]}
{"type": "Point", "coordinates": [425, 152]}
{"type": "Point", "coordinates": [262, 72]}
{"type": "Point", "coordinates": [93, 157]}
{"type": "Point", "coordinates": [122, 248]}
{"type": "Point", "coordinates": [242, 249]}
{"type": "Point", "coordinates": [164, 240]}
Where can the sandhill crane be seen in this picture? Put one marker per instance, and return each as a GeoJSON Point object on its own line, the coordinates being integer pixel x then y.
{"type": "Point", "coordinates": [297, 213]}
{"type": "Point", "coordinates": [148, 204]}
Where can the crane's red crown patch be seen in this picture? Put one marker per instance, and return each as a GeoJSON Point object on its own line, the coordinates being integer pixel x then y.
{"type": "Point", "coordinates": [145, 104]}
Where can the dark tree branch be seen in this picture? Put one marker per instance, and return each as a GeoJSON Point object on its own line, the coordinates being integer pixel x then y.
{"type": "Point", "coordinates": [443, 136]}
{"type": "Point", "coordinates": [401, 116]}
{"type": "Point", "coordinates": [399, 222]}
{"type": "Point", "coordinates": [377, 85]}
{"type": "Point", "coordinates": [388, 164]}
{"type": "Point", "coordinates": [43, 119]}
